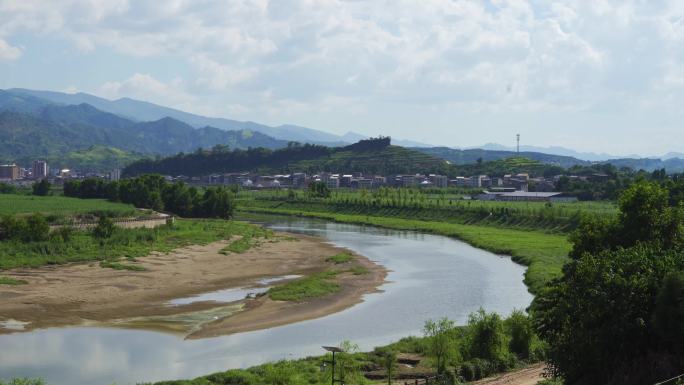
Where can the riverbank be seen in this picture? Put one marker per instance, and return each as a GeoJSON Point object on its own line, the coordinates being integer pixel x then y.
{"type": "Point", "coordinates": [543, 253]}
{"type": "Point", "coordinates": [87, 294]}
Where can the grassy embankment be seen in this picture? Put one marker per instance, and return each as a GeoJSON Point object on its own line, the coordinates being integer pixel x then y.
{"type": "Point", "coordinates": [538, 244]}
{"type": "Point", "coordinates": [13, 204]}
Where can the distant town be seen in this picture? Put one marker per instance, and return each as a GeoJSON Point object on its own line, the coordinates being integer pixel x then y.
{"type": "Point", "coordinates": [511, 187]}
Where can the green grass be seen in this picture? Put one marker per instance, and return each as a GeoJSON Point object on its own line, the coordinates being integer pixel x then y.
{"type": "Point", "coordinates": [250, 238]}
{"type": "Point", "coordinates": [11, 204]}
{"type": "Point", "coordinates": [125, 243]}
{"type": "Point", "coordinates": [543, 253]}
{"type": "Point", "coordinates": [340, 258]}
{"type": "Point", "coordinates": [313, 286]}
{"type": "Point", "coordinates": [12, 281]}
{"type": "Point", "coordinates": [120, 266]}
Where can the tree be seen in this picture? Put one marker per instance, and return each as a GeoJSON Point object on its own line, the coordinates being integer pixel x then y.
{"type": "Point", "coordinates": [347, 367]}
{"type": "Point", "coordinates": [441, 342]}
{"type": "Point", "coordinates": [520, 330]}
{"type": "Point", "coordinates": [36, 229]}
{"type": "Point", "coordinates": [645, 217]}
{"type": "Point", "coordinates": [387, 357]}
{"type": "Point", "coordinates": [487, 339]}
{"type": "Point", "coordinates": [668, 315]}
{"type": "Point", "coordinates": [319, 190]}
{"type": "Point", "coordinates": [103, 231]}
{"type": "Point", "coordinates": [41, 188]}
{"type": "Point", "coordinates": [597, 317]}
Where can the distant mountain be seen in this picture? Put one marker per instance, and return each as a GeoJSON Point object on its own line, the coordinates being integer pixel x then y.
{"type": "Point", "coordinates": [470, 156]}
{"type": "Point", "coordinates": [672, 165]}
{"type": "Point", "coordinates": [32, 128]}
{"type": "Point", "coordinates": [144, 111]}
{"type": "Point", "coordinates": [553, 150]}
{"type": "Point", "coordinates": [461, 157]}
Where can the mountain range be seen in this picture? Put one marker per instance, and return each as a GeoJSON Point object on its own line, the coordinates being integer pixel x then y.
{"type": "Point", "coordinates": [80, 127]}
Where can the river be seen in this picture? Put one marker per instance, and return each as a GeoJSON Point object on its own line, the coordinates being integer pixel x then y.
{"type": "Point", "coordinates": [430, 277]}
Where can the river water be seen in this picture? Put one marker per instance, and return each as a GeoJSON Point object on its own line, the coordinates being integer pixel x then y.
{"type": "Point", "coordinates": [430, 277]}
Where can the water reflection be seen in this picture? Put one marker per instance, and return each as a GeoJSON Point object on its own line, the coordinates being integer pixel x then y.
{"type": "Point", "coordinates": [430, 276]}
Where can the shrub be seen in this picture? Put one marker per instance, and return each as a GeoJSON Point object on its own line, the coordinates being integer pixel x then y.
{"type": "Point", "coordinates": [520, 330]}
{"type": "Point", "coordinates": [486, 337]}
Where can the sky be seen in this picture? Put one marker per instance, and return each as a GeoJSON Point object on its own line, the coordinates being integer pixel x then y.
{"type": "Point", "coordinates": [594, 75]}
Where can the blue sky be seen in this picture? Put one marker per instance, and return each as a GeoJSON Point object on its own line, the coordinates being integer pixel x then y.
{"type": "Point", "coordinates": [602, 76]}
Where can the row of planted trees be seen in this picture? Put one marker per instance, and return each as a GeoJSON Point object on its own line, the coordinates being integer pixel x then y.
{"type": "Point", "coordinates": [154, 192]}
{"type": "Point", "coordinates": [409, 199]}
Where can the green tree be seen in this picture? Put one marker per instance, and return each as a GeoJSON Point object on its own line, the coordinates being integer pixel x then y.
{"type": "Point", "coordinates": [41, 188]}
{"type": "Point", "coordinates": [486, 337]}
{"type": "Point", "coordinates": [668, 316]}
{"type": "Point", "coordinates": [520, 330]}
{"type": "Point", "coordinates": [36, 229]}
{"type": "Point", "coordinates": [103, 231]}
{"type": "Point", "coordinates": [441, 342]}
{"type": "Point", "coordinates": [319, 190]}
{"type": "Point", "coordinates": [387, 357]}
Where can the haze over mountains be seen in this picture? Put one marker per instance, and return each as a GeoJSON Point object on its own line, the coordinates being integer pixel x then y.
{"type": "Point", "coordinates": [81, 128]}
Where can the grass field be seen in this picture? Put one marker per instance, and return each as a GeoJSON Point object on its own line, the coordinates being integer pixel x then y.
{"type": "Point", "coordinates": [125, 243]}
{"type": "Point", "coordinates": [543, 253]}
{"type": "Point", "coordinates": [313, 286]}
{"type": "Point", "coordinates": [11, 204]}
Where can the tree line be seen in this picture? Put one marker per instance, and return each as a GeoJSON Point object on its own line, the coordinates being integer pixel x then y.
{"type": "Point", "coordinates": [154, 192]}
{"type": "Point", "coordinates": [616, 315]}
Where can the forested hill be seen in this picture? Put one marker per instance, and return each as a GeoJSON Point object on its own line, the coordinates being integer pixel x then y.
{"type": "Point", "coordinates": [31, 129]}
{"type": "Point", "coordinates": [470, 156]}
{"type": "Point", "coordinates": [372, 156]}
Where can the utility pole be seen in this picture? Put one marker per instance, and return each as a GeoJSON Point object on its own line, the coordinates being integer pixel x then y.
{"type": "Point", "coordinates": [333, 350]}
{"type": "Point", "coordinates": [517, 137]}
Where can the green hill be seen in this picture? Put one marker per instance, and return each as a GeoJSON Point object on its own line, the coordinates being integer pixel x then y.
{"type": "Point", "coordinates": [31, 129]}
{"type": "Point", "coordinates": [99, 158]}
{"type": "Point", "coordinates": [470, 156]}
{"type": "Point", "coordinates": [372, 156]}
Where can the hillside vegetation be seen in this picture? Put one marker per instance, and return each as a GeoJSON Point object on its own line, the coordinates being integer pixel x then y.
{"type": "Point", "coordinates": [32, 128]}
{"type": "Point", "coordinates": [371, 156]}
{"type": "Point", "coordinates": [460, 157]}
{"type": "Point", "coordinates": [95, 158]}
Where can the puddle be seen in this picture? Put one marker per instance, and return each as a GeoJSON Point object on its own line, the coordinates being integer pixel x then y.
{"type": "Point", "coordinates": [232, 295]}
{"type": "Point", "coordinates": [184, 323]}
{"type": "Point", "coordinates": [12, 324]}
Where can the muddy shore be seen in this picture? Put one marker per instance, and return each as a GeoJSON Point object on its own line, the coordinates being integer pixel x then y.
{"type": "Point", "coordinates": [87, 294]}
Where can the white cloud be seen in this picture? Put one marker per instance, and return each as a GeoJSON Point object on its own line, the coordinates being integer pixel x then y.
{"type": "Point", "coordinates": [8, 52]}
{"type": "Point", "coordinates": [148, 88]}
{"type": "Point", "coordinates": [216, 76]}
{"type": "Point", "coordinates": [345, 58]}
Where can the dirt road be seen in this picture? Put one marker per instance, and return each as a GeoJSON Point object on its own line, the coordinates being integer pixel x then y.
{"type": "Point", "coordinates": [528, 376]}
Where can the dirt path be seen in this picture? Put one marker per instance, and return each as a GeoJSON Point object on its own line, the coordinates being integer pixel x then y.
{"type": "Point", "coordinates": [528, 376]}
{"type": "Point", "coordinates": [80, 294]}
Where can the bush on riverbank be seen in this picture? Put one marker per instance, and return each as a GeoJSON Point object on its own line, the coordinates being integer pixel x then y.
{"type": "Point", "coordinates": [486, 334]}
{"type": "Point", "coordinates": [123, 243]}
